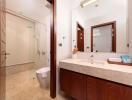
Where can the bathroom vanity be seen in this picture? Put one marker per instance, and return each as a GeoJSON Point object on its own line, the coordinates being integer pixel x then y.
{"type": "Point", "coordinates": [98, 81]}
{"type": "Point", "coordinates": [99, 32]}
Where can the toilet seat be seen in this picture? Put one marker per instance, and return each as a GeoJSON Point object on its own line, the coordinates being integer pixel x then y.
{"type": "Point", "coordinates": [43, 70]}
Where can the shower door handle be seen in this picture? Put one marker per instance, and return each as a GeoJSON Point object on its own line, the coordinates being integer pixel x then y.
{"type": "Point", "coordinates": [43, 53]}
{"type": "Point", "coordinates": [7, 54]}
{"type": "Point", "coordinates": [38, 52]}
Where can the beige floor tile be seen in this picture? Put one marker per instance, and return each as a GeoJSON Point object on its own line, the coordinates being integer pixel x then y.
{"type": "Point", "coordinates": [25, 86]}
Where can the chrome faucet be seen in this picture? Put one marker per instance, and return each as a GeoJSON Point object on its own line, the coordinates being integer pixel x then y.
{"type": "Point", "coordinates": [92, 58]}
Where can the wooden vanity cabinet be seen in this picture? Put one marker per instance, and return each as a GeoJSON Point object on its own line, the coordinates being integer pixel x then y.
{"type": "Point", "coordinates": [84, 87]}
{"type": "Point", "coordinates": [73, 84]}
{"type": "Point", "coordinates": [113, 91]}
{"type": "Point", "coordinates": [99, 89]}
{"type": "Point", "coordinates": [65, 81]}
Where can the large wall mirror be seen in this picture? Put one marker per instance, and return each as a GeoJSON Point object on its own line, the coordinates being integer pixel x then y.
{"type": "Point", "coordinates": [100, 26]}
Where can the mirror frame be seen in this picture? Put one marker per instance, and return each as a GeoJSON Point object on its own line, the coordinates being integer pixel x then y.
{"type": "Point", "coordinates": [113, 23]}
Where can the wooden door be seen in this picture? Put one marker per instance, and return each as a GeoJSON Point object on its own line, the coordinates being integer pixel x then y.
{"type": "Point", "coordinates": [80, 38]}
{"type": "Point", "coordinates": [2, 49]}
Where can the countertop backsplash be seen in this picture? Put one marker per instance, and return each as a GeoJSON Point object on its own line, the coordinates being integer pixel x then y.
{"type": "Point", "coordinates": [97, 56]}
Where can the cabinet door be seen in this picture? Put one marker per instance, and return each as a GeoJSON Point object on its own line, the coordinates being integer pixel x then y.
{"type": "Point", "coordinates": [73, 84]}
{"type": "Point", "coordinates": [115, 91]}
{"type": "Point", "coordinates": [98, 89]}
{"type": "Point", "coordinates": [92, 88]}
{"type": "Point", "coordinates": [78, 86]}
{"type": "Point", "coordinates": [65, 81]}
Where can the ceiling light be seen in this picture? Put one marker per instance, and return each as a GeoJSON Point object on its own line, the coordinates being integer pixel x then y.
{"type": "Point", "coordinates": [87, 2]}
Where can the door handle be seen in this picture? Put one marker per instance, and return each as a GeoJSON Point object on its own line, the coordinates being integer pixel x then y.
{"type": "Point", "coordinates": [43, 53]}
{"type": "Point", "coordinates": [7, 54]}
{"type": "Point", "coordinates": [38, 52]}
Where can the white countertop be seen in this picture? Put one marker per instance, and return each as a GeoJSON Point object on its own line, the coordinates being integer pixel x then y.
{"type": "Point", "coordinates": [116, 73]}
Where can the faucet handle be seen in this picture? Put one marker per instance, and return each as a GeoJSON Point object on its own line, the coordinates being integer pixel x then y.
{"type": "Point", "coordinates": [92, 55]}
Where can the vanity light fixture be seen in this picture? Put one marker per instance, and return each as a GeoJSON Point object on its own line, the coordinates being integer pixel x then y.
{"type": "Point", "coordinates": [87, 2]}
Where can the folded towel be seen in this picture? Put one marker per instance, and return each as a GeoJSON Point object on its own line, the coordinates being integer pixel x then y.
{"type": "Point", "coordinates": [115, 59]}
{"type": "Point", "coordinates": [126, 59]}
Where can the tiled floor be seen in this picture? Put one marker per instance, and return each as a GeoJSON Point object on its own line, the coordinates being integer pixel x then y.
{"type": "Point", "coordinates": [24, 86]}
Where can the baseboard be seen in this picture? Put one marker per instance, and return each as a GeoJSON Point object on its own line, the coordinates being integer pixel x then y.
{"type": "Point", "coordinates": [19, 68]}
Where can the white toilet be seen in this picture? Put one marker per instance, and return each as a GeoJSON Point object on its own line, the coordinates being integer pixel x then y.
{"type": "Point", "coordinates": [43, 76]}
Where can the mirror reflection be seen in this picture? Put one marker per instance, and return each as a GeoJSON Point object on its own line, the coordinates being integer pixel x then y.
{"type": "Point", "coordinates": [100, 26]}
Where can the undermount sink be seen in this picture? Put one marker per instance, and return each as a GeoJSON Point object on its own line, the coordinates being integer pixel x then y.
{"type": "Point", "coordinates": [98, 62]}
{"type": "Point", "coordinates": [90, 61]}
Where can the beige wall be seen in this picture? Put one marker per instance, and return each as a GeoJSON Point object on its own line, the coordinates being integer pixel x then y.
{"type": "Point", "coordinates": [42, 38]}
{"type": "Point", "coordinates": [115, 15]}
{"type": "Point", "coordinates": [20, 41]}
{"type": "Point", "coordinates": [64, 29]}
{"type": "Point", "coordinates": [121, 26]}
{"type": "Point", "coordinates": [27, 41]}
{"type": "Point", "coordinates": [130, 24]}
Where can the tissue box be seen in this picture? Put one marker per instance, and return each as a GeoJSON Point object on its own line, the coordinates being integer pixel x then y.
{"type": "Point", "coordinates": [126, 59]}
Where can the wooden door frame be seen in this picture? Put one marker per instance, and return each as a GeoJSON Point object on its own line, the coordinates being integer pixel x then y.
{"type": "Point", "coordinates": [80, 26]}
{"type": "Point", "coordinates": [113, 23]}
{"type": "Point", "coordinates": [2, 50]}
{"type": "Point", "coordinates": [53, 50]}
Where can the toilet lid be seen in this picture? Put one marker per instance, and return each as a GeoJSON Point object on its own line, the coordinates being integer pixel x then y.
{"type": "Point", "coordinates": [43, 70]}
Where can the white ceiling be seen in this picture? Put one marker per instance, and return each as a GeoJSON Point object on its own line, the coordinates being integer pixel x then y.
{"type": "Point", "coordinates": [104, 7]}
{"type": "Point", "coordinates": [34, 9]}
